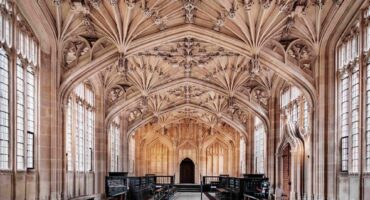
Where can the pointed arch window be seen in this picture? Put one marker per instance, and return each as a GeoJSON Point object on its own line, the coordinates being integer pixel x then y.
{"type": "Point", "coordinates": [4, 109]}
{"type": "Point", "coordinates": [114, 132]}
{"type": "Point", "coordinates": [80, 126]}
{"type": "Point", "coordinates": [353, 100]}
{"type": "Point", "coordinates": [367, 115]}
{"type": "Point", "coordinates": [259, 146]}
{"type": "Point", "coordinates": [348, 70]}
{"type": "Point", "coordinates": [17, 92]}
{"type": "Point", "coordinates": [295, 105]}
{"type": "Point", "coordinates": [242, 159]}
{"type": "Point", "coordinates": [132, 147]}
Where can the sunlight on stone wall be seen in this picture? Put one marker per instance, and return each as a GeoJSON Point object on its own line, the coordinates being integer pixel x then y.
{"type": "Point", "coordinates": [213, 151]}
{"type": "Point", "coordinates": [216, 157]}
{"type": "Point", "coordinates": [158, 159]}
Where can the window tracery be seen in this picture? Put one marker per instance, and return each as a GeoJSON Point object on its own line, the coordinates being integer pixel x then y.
{"type": "Point", "coordinates": [353, 72]}
{"type": "Point", "coordinates": [367, 101]}
{"type": "Point", "coordinates": [80, 125]}
{"type": "Point", "coordinates": [259, 146]}
{"type": "Point", "coordinates": [114, 131]}
{"type": "Point", "coordinates": [4, 109]}
{"type": "Point", "coordinates": [296, 108]}
{"type": "Point", "coordinates": [18, 57]}
{"type": "Point", "coordinates": [242, 158]}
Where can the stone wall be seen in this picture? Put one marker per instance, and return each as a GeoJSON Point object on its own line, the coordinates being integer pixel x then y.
{"type": "Point", "coordinates": [213, 152]}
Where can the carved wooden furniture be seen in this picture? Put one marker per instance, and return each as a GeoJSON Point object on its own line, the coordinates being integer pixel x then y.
{"type": "Point", "coordinates": [116, 186]}
{"type": "Point", "coordinates": [251, 186]}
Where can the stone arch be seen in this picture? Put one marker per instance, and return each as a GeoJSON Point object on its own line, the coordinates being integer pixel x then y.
{"type": "Point", "coordinates": [187, 171]}
{"type": "Point", "coordinates": [251, 106]}
{"type": "Point", "coordinates": [194, 156]}
{"type": "Point", "coordinates": [148, 119]}
{"type": "Point", "coordinates": [216, 128]}
{"type": "Point", "coordinates": [291, 138]}
{"type": "Point", "coordinates": [166, 157]}
{"type": "Point", "coordinates": [185, 145]}
{"type": "Point", "coordinates": [229, 145]}
{"type": "Point", "coordinates": [291, 73]}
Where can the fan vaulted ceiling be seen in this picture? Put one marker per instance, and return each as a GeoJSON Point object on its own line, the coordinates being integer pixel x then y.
{"type": "Point", "coordinates": [206, 60]}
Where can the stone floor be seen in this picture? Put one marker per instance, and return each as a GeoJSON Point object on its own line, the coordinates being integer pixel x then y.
{"type": "Point", "coordinates": [189, 196]}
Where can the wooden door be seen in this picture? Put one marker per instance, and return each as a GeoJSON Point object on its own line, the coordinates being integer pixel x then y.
{"type": "Point", "coordinates": [286, 172]}
{"type": "Point", "coordinates": [187, 171]}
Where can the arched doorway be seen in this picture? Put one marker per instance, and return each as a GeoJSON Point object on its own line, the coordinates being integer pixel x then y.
{"type": "Point", "coordinates": [287, 184]}
{"type": "Point", "coordinates": [187, 171]}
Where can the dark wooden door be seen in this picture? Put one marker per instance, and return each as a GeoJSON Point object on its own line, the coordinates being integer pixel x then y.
{"type": "Point", "coordinates": [187, 171]}
{"type": "Point", "coordinates": [286, 171]}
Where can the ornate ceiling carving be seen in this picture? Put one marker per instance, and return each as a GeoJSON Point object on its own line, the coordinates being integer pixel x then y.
{"type": "Point", "coordinates": [128, 37]}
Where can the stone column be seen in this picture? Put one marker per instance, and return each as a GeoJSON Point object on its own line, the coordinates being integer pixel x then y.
{"type": "Point", "coordinates": [294, 175]}
{"type": "Point", "coordinates": [101, 140]}
{"type": "Point", "coordinates": [250, 145]}
{"type": "Point", "coordinates": [271, 134]}
{"type": "Point", "coordinates": [124, 142]}
{"type": "Point", "coordinates": [47, 115]}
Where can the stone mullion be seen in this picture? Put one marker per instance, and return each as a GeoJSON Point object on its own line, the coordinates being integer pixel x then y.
{"type": "Point", "coordinates": [85, 111]}
{"type": "Point", "coordinates": [364, 117]}
{"type": "Point", "coordinates": [36, 116]}
{"type": "Point", "coordinates": [349, 121]}
{"type": "Point", "coordinates": [251, 129]}
{"type": "Point", "coordinates": [237, 171]}
{"type": "Point", "coordinates": [74, 143]}
{"type": "Point", "coordinates": [25, 117]}
{"type": "Point", "coordinates": [124, 142]}
{"type": "Point", "coordinates": [13, 104]}
{"type": "Point", "coordinates": [12, 115]}
{"type": "Point", "coordinates": [65, 181]}
{"type": "Point", "coordinates": [362, 100]}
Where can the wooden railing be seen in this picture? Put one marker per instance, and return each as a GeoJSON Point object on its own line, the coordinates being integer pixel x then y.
{"type": "Point", "coordinates": [165, 180]}
{"type": "Point", "coordinates": [251, 186]}
{"type": "Point", "coordinates": [139, 187]}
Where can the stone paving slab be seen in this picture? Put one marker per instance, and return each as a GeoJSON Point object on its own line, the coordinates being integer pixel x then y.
{"type": "Point", "coordinates": [189, 196]}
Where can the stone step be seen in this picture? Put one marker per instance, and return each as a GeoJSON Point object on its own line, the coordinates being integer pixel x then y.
{"type": "Point", "coordinates": [187, 188]}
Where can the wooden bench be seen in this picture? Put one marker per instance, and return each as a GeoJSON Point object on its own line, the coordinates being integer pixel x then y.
{"type": "Point", "coordinates": [223, 194]}
{"type": "Point", "coordinates": [116, 187]}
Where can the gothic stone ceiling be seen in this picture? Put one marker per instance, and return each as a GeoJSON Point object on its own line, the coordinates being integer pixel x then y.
{"type": "Point", "coordinates": [198, 59]}
{"type": "Point", "coordinates": [207, 132]}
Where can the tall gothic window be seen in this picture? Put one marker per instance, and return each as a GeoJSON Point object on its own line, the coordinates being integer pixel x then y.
{"type": "Point", "coordinates": [114, 132]}
{"type": "Point", "coordinates": [259, 146]}
{"type": "Point", "coordinates": [366, 36]}
{"type": "Point", "coordinates": [132, 146]}
{"type": "Point", "coordinates": [295, 105]}
{"type": "Point", "coordinates": [242, 156]}
{"type": "Point", "coordinates": [80, 125]}
{"type": "Point", "coordinates": [368, 107]}
{"type": "Point", "coordinates": [4, 109]}
{"type": "Point", "coordinates": [19, 57]}
{"type": "Point", "coordinates": [348, 70]}
{"type": "Point", "coordinates": [353, 71]}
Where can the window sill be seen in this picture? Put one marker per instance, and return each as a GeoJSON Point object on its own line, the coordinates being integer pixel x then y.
{"type": "Point", "coordinates": [366, 174]}
{"type": "Point", "coordinates": [6, 171]}
{"type": "Point", "coordinates": [343, 173]}
{"type": "Point", "coordinates": [26, 171]}
{"type": "Point", "coordinates": [354, 174]}
{"type": "Point", "coordinates": [9, 171]}
{"type": "Point", "coordinates": [78, 172]}
{"type": "Point", "coordinates": [31, 170]}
